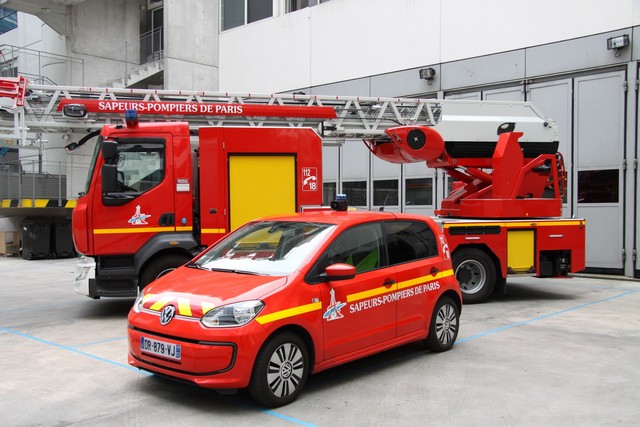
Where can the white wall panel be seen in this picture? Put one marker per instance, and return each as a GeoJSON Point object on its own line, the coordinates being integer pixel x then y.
{"type": "Point", "coordinates": [349, 39]}
{"type": "Point", "coordinates": [473, 28]}
{"type": "Point", "coordinates": [267, 56]}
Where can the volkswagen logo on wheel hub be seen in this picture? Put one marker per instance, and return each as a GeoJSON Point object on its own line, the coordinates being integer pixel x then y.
{"type": "Point", "coordinates": [167, 314]}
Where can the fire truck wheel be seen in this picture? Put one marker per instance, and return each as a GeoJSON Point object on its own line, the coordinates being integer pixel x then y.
{"type": "Point", "coordinates": [476, 274]}
{"type": "Point", "coordinates": [280, 370]}
{"type": "Point", "coordinates": [445, 322]}
{"type": "Point", "coordinates": [159, 267]}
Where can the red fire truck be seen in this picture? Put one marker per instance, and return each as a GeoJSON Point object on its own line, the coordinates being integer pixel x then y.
{"type": "Point", "coordinates": [195, 165]}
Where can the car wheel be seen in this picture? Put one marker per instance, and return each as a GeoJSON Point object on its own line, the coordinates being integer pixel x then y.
{"type": "Point", "coordinates": [476, 274]}
{"type": "Point", "coordinates": [280, 370]}
{"type": "Point", "coordinates": [159, 267]}
{"type": "Point", "coordinates": [445, 322]}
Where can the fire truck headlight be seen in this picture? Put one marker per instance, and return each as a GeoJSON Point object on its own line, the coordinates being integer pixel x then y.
{"type": "Point", "coordinates": [237, 314]}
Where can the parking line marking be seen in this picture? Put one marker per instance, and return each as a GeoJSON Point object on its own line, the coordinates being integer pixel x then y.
{"type": "Point", "coordinates": [71, 349]}
{"type": "Point", "coordinates": [131, 368]}
{"type": "Point", "coordinates": [99, 342]}
{"type": "Point", "coordinates": [544, 316]}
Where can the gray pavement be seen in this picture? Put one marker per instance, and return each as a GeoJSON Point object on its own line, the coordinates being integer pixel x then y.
{"type": "Point", "coordinates": [556, 352]}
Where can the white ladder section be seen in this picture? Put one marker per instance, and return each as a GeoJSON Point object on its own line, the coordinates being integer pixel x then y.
{"type": "Point", "coordinates": [37, 112]}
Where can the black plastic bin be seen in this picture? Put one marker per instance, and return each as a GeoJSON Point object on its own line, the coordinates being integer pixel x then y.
{"type": "Point", "coordinates": [62, 239]}
{"type": "Point", "coordinates": [36, 238]}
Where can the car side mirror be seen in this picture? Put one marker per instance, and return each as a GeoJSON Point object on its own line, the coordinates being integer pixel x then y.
{"type": "Point", "coordinates": [340, 271]}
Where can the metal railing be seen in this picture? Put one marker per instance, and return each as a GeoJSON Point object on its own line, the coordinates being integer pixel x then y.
{"type": "Point", "coordinates": [53, 180]}
{"type": "Point", "coordinates": [40, 67]}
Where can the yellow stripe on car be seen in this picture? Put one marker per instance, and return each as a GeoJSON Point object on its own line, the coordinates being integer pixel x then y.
{"type": "Point", "coordinates": [289, 312]}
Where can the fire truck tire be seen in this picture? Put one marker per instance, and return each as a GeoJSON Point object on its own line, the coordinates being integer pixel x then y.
{"type": "Point", "coordinates": [476, 273]}
{"type": "Point", "coordinates": [445, 322]}
{"type": "Point", "coordinates": [159, 267]}
{"type": "Point", "coordinates": [280, 370]}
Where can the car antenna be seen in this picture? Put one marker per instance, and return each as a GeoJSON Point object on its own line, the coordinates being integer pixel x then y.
{"type": "Point", "coordinates": [384, 204]}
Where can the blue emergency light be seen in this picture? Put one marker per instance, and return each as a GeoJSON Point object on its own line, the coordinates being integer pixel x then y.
{"type": "Point", "coordinates": [340, 203]}
{"type": "Point", "coordinates": [131, 118]}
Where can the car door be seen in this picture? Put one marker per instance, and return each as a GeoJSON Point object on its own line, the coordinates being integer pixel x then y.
{"type": "Point", "coordinates": [413, 252]}
{"type": "Point", "coordinates": [359, 312]}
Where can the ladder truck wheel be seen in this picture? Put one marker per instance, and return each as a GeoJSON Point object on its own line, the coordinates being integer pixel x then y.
{"type": "Point", "coordinates": [159, 267]}
{"type": "Point", "coordinates": [476, 273]}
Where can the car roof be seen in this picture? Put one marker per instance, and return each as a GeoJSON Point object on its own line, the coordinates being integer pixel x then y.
{"type": "Point", "coordinates": [339, 217]}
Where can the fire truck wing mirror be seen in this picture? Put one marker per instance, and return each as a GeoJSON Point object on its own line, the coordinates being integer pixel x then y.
{"type": "Point", "coordinates": [75, 110]}
{"type": "Point", "coordinates": [109, 178]}
{"type": "Point", "coordinates": [109, 150]}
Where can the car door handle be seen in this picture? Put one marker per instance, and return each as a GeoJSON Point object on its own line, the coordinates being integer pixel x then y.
{"type": "Point", "coordinates": [434, 270]}
{"type": "Point", "coordinates": [388, 282]}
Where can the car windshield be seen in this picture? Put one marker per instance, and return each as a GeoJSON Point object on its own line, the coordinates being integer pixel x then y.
{"type": "Point", "coordinates": [272, 248]}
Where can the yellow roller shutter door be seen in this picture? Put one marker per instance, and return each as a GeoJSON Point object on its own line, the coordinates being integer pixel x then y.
{"type": "Point", "coordinates": [259, 186]}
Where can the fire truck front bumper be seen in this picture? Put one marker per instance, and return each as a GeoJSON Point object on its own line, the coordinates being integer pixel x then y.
{"type": "Point", "coordinates": [85, 273]}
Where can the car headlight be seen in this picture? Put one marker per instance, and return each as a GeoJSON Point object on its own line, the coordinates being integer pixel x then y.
{"type": "Point", "coordinates": [237, 314]}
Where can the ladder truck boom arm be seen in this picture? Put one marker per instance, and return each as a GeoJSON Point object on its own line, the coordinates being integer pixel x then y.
{"type": "Point", "coordinates": [27, 108]}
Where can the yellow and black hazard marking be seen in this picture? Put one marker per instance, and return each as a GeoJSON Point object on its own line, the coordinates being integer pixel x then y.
{"type": "Point", "coordinates": [38, 203]}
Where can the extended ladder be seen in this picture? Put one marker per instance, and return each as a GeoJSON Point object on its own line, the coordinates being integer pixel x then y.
{"type": "Point", "coordinates": [29, 110]}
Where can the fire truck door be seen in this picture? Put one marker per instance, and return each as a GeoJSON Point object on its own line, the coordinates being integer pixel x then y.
{"type": "Point", "coordinates": [260, 185]}
{"type": "Point", "coordinates": [143, 196]}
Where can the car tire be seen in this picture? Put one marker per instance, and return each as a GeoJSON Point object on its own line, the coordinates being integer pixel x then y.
{"type": "Point", "coordinates": [445, 323]}
{"type": "Point", "coordinates": [476, 273]}
{"type": "Point", "coordinates": [159, 267]}
{"type": "Point", "coordinates": [280, 370]}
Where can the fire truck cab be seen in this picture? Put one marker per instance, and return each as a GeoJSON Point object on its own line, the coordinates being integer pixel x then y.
{"type": "Point", "coordinates": [155, 198]}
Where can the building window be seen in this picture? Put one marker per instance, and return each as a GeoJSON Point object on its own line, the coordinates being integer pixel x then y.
{"type": "Point", "coordinates": [599, 186]}
{"type": "Point", "coordinates": [8, 20]}
{"type": "Point", "coordinates": [356, 192]}
{"type": "Point", "coordinates": [240, 12]}
{"type": "Point", "coordinates": [328, 192]}
{"type": "Point", "coordinates": [419, 191]}
{"type": "Point", "coordinates": [385, 192]}
{"type": "Point", "coordinates": [293, 5]}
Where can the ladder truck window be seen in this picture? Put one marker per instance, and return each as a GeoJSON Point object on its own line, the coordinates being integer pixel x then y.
{"type": "Point", "coordinates": [140, 166]}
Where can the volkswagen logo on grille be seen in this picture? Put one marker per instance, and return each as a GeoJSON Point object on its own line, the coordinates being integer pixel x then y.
{"type": "Point", "coordinates": [167, 314]}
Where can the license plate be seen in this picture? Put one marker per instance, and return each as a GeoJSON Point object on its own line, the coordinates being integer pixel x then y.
{"type": "Point", "coordinates": [161, 348]}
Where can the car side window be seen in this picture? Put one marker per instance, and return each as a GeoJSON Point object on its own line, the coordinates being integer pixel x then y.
{"type": "Point", "coordinates": [409, 240]}
{"type": "Point", "coordinates": [360, 246]}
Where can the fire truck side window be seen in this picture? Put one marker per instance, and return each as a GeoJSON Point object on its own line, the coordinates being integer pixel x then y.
{"type": "Point", "coordinates": [141, 166]}
{"type": "Point", "coordinates": [409, 240]}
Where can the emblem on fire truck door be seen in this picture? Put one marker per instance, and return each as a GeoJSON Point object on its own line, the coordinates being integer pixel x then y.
{"type": "Point", "coordinates": [138, 218]}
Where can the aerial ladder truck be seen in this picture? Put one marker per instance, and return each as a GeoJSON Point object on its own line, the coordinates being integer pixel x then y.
{"type": "Point", "coordinates": [174, 171]}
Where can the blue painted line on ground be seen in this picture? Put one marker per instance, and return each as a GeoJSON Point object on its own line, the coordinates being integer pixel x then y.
{"type": "Point", "coordinates": [71, 349]}
{"type": "Point", "coordinates": [545, 316]}
{"type": "Point", "coordinates": [86, 344]}
{"type": "Point", "coordinates": [131, 368]}
{"type": "Point", "coordinates": [285, 417]}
